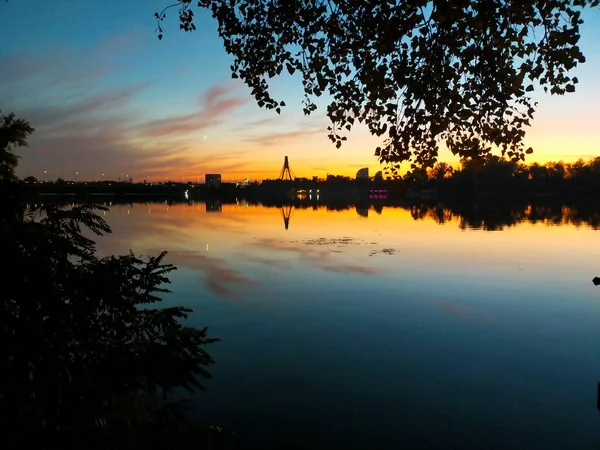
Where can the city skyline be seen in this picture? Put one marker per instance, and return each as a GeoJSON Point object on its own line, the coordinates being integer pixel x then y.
{"type": "Point", "coordinates": [106, 96]}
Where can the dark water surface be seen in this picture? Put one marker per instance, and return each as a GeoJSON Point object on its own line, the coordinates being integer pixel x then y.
{"type": "Point", "coordinates": [385, 332]}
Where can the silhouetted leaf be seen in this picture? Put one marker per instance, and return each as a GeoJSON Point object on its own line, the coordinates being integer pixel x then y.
{"type": "Point", "coordinates": [400, 63]}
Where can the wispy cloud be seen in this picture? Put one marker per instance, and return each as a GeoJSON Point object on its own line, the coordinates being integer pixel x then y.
{"type": "Point", "coordinates": [84, 77]}
{"type": "Point", "coordinates": [78, 110]}
{"type": "Point", "coordinates": [67, 65]}
{"type": "Point", "coordinates": [279, 137]}
{"type": "Point", "coordinates": [16, 67]}
{"type": "Point", "coordinates": [104, 129]}
{"type": "Point", "coordinates": [258, 124]}
{"type": "Point", "coordinates": [216, 104]}
{"type": "Point", "coordinates": [87, 120]}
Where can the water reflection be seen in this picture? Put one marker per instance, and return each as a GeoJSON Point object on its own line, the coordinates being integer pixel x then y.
{"type": "Point", "coordinates": [213, 206]}
{"type": "Point", "coordinates": [413, 326]}
{"type": "Point", "coordinates": [362, 210]}
{"type": "Point", "coordinates": [490, 217]}
{"type": "Point", "coordinates": [286, 213]}
{"type": "Point", "coordinates": [497, 217]}
{"type": "Point", "coordinates": [229, 248]}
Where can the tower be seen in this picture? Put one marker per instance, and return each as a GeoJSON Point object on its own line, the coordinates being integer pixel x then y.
{"type": "Point", "coordinates": [286, 172]}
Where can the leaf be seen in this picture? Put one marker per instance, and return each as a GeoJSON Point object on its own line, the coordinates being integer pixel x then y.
{"type": "Point", "coordinates": [422, 69]}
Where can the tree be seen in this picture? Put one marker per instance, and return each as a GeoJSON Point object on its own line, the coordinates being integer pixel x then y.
{"type": "Point", "coordinates": [440, 171]}
{"type": "Point", "coordinates": [13, 134]}
{"type": "Point", "coordinates": [425, 72]}
{"type": "Point", "coordinates": [87, 358]}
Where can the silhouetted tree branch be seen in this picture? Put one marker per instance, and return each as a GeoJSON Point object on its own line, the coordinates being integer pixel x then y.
{"type": "Point", "coordinates": [421, 73]}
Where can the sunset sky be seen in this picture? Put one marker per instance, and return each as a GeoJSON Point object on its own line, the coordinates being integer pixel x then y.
{"type": "Point", "coordinates": [107, 97]}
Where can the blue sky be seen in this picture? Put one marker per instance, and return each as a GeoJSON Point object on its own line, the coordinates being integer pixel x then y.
{"type": "Point", "coordinates": [106, 96]}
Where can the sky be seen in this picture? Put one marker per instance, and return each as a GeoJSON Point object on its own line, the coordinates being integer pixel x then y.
{"type": "Point", "coordinates": [109, 100]}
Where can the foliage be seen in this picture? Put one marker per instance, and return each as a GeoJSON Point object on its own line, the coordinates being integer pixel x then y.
{"type": "Point", "coordinates": [441, 170]}
{"type": "Point", "coordinates": [421, 72]}
{"type": "Point", "coordinates": [88, 357]}
{"type": "Point", "coordinates": [494, 174]}
{"type": "Point", "coordinates": [13, 133]}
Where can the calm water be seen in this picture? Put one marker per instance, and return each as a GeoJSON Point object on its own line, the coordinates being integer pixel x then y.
{"type": "Point", "coordinates": [385, 332]}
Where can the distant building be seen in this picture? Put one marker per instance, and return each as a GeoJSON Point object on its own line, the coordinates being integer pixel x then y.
{"type": "Point", "coordinates": [379, 176]}
{"type": "Point", "coordinates": [362, 173]}
{"type": "Point", "coordinates": [212, 179]}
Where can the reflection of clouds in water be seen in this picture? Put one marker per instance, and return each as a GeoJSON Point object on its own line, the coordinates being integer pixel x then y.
{"type": "Point", "coordinates": [161, 225]}
{"type": "Point", "coordinates": [345, 241]}
{"type": "Point", "coordinates": [333, 241]}
{"type": "Point", "coordinates": [269, 263]}
{"type": "Point", "coordinates": [453, 309]}
{"type": "Point", "coordinates": [183, 235]}
{"type": "Point", "coordinates": [311, 255]}
{"type": "Point", "coordinates": [221, 279]}
{"type": "Point", "coordinates": [384, 251]}
{"type": "Point", "coordinates": [459, 311]}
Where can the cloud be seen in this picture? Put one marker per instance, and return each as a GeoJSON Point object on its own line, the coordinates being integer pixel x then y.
{"type": "Point", "coordinates": [82, 65]}
{"type": "Point", "coordinates": [215, 105]}
{"type": "Point", "coordinates": [216, 93]}
{"type": "Point", "coordinates": [80, 132]}
{"type": "Point", "coordinates": [84, 77]}
{"type": "Point", "coordinates": [275, 138]}
{"type": "Point", "coordinates": [17, 67]}
{"type": "Point", "coordinates": [88, 121]}
{"type": "Point", "coordinates": [259, 123]}
{"type": "Point", "coordinates": [102, 129]}
{"type": "Point", "coordinates": [77, 110]}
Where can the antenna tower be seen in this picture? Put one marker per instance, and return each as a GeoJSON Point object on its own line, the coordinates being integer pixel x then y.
{"type": "Point", "coordinates": [286, 172]}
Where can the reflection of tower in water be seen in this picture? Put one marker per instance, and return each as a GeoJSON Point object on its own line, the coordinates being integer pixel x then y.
{"type": "Point", "coordinates": [286, 213]}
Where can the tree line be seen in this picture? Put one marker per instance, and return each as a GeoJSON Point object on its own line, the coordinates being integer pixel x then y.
{"type": "Point", "coordinates": [502, 176]}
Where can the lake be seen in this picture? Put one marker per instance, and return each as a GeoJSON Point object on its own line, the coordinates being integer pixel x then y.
{"type": "Point", "coordinates": [386, 328]}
